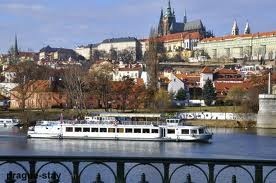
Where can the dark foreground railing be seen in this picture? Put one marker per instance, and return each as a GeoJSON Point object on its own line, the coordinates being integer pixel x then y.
{"type": "Point", "coordinates": [122, 169]}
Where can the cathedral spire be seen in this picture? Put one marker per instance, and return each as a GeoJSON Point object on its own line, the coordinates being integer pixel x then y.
{"type": "Point", "coordinates": [247, 28]}
{"type": "Point", "coordinates": [160, 25]}
{"type": "Point", "coordinates": [16, 52]}
{"type": "Point", "coordinates": [169, 9]}
{"type": "Point", "coordinates": [235, 29]}
{"type": "Point", "coordinates": [185, 17]}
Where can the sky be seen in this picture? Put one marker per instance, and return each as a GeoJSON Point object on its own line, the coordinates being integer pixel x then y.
{"type": "Point", "coordinates": [69, 23]}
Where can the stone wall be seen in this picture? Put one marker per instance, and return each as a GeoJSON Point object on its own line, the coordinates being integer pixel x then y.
{"type": "Point", "coordinates": [267, 111]}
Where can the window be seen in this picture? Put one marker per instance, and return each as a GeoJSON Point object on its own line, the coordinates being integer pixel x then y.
{"type": "Point", "coordinates": [77, 129]}
{"type": "Point", "coordinates": [201, 131]}
{"type": "Point", "coordinates": [185, 131]}
{"type": "Point", "coordinates": [86, 129]}
{"type": "Point", "coordinates": [69, 129]}
{"type": "Point", "coordinates": [94, 130]}
{"type": "Point", "coordinates": [103, 130]}
{"type": "Point", "coordinates": [154, 130]}
{"type": "Point", "coordinates": [120, 130]}
{"type": "Point", "coordinates": [111, 130]}
{"type": "Point", "coordinates": [194, 131]}
{"type": "Point", "coordinates": [128, 130]}
{"type": "Point", "coordinates": [137, 130]}
{"type": "Point", "coordinates": [171, 131]}
{"type": "Point", "coordinates": [146, 130]}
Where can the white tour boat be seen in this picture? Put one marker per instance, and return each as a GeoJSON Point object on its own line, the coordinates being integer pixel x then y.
{"type": "Point", "coordinates": [171, 131]}
{"type": "Point", "coordinates": [9, 122]}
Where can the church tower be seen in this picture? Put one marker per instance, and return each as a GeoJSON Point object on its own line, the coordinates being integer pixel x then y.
{"type": "Point", "coordinates": [247, 28]}
{"type": "Point", "coordinates": [160, 25]}
{"type": "Point", "coordinates": [235, 29]}
{"type": "Point", "coordinates": [16, 52]}
{"type": "Point", "coordinates": [185, 17]}
{"type": "Point", "coordinates": [168, 20]}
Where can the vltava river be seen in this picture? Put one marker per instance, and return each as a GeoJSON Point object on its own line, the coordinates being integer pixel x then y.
{"type": "Point", "coordinates": [226, 143]}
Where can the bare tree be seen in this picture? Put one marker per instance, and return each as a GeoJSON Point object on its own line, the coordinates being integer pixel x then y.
{"type": "Point", "coordinates": [100, 82]}
{"type": "Point", "coordinates": [74, 83]}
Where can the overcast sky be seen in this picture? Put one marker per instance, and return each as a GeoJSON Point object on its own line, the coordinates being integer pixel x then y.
{"type": "Point", "coordinates": [68, 23]}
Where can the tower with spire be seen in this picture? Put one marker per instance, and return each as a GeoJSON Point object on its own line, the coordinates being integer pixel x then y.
{"type": "Point", "coordinates": [235, 29]}
{"type": "Point", "coordinates": [185, 17]}
{"type": "Point", "coordinates": [16, 51]}
{"type": "Point", "coordinates": [168, 25]}
{"type": "Point", "coordinates": [160, 25]}
{"type": "Point", "coordinates": [247, 28]}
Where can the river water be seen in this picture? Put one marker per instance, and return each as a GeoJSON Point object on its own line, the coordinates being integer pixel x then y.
{"type": "Point", "coordinates": [227, 143]}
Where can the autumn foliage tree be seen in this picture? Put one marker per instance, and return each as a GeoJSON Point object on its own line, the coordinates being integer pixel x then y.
{"type": "Point", "coordinates": [122, 90]}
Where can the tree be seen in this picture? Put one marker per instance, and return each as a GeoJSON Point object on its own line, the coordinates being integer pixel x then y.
{"type": "Point", "coordinates": [123, 89]}
{"type": "Point", "coordinates": [137, 97]}
{"type": "Point", "coordinates": [162, 100]}
{"type": "Point", "coordinates": [236, 95]}
{"type": "Point", "coordinates": [74, 83]}
{"type": "Point", "coordinates": [126, 56]}
{"type": "Point", "coordinates": [181, 94]}
{"type": "Point", "coordinates": [95, 55]}
{"type": "Point", "coordinates": [113, 54]}
{"type": "Point", "coordinates": [100, 82]}
{"type": "Point", "coordinates": [208, 92]}
{"type": "Point", "coordinates": [152, 64]}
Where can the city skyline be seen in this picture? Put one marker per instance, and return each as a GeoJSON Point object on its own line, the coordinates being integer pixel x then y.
{"type": "Point", "coordinates": [70, 23]}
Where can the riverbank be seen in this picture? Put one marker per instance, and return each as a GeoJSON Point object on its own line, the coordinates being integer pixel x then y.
{"type": "Point", "coordinates": [223, 123]}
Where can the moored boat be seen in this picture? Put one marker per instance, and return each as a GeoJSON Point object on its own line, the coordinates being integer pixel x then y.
{"type": "Point", "coordinates": [9, 122]}
{"type": "Point", "coordinates": [172, 131]}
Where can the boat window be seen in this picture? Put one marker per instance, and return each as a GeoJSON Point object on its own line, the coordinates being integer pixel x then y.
{"type": "Point", "coordinates": [185, 131]}
{"type": "Point", "coordinates": [200, 131]}
{"type": "Point", "coordinates": [94, 130]}
{"type": "Point", "coordinates": [103, 130]}
{"type": "Point", "coordinates": [171, 131]}
{"type": "Point", "coordinates": [120, 130]}
{"type": "Point", "coordinates": [69, 129]}
{"type": "Point", "coordinates": [111, 130]}
{"type": "Point", "coordinates": [86, 129]}
{"type": "Point", "coordinates": [146, 130]}
{"type": "Point", "coordinates": [194, 131]}
{"type": "Point", "coordinates": [77, 129]}
{"type": "Point", "coordinates": [137, 130]}
{"type": "Point", "coordinates": [154, 130]}
{"type": "Point", "coordinates": [128, 130]}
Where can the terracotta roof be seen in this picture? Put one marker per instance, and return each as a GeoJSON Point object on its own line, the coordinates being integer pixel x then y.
{"type": "Point", "coordinates": [226, 71]}
{"type": "Point", "coordinates": [178, 37]}
{"type": "Point", "coordinates": [207, 70]}
{"type": "Point", "coordinates": [188, 77]}
{"type": "Point", "coordinates": [226, 86]}
{"type": "Point", "coordinates": [37, 85]}
{"type": "Point", "coordinates": [232, 37]}
{"type": "Point", "coordinates": [139, 81]}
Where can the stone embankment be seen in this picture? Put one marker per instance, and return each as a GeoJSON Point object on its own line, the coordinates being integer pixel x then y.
{"type": "Point", "coordinates": [223, 123]}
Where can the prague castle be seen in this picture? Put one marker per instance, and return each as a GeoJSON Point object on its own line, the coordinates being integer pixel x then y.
{"type": "Point", "coordinates": [251, 46]}
{"type": "Point", "coordinates": [168, 25]}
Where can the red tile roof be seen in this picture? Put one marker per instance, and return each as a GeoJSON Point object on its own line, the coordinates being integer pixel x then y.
{"type": "Point", "coordinates": [226, 71]}
{"type": "Point", "coordinates": [178, 37]}
{"type": "Point", "coordinates": [206, 70]}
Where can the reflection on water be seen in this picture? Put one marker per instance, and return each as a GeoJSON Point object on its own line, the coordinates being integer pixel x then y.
{"type": "Point", "coordinates": [226, 143]}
